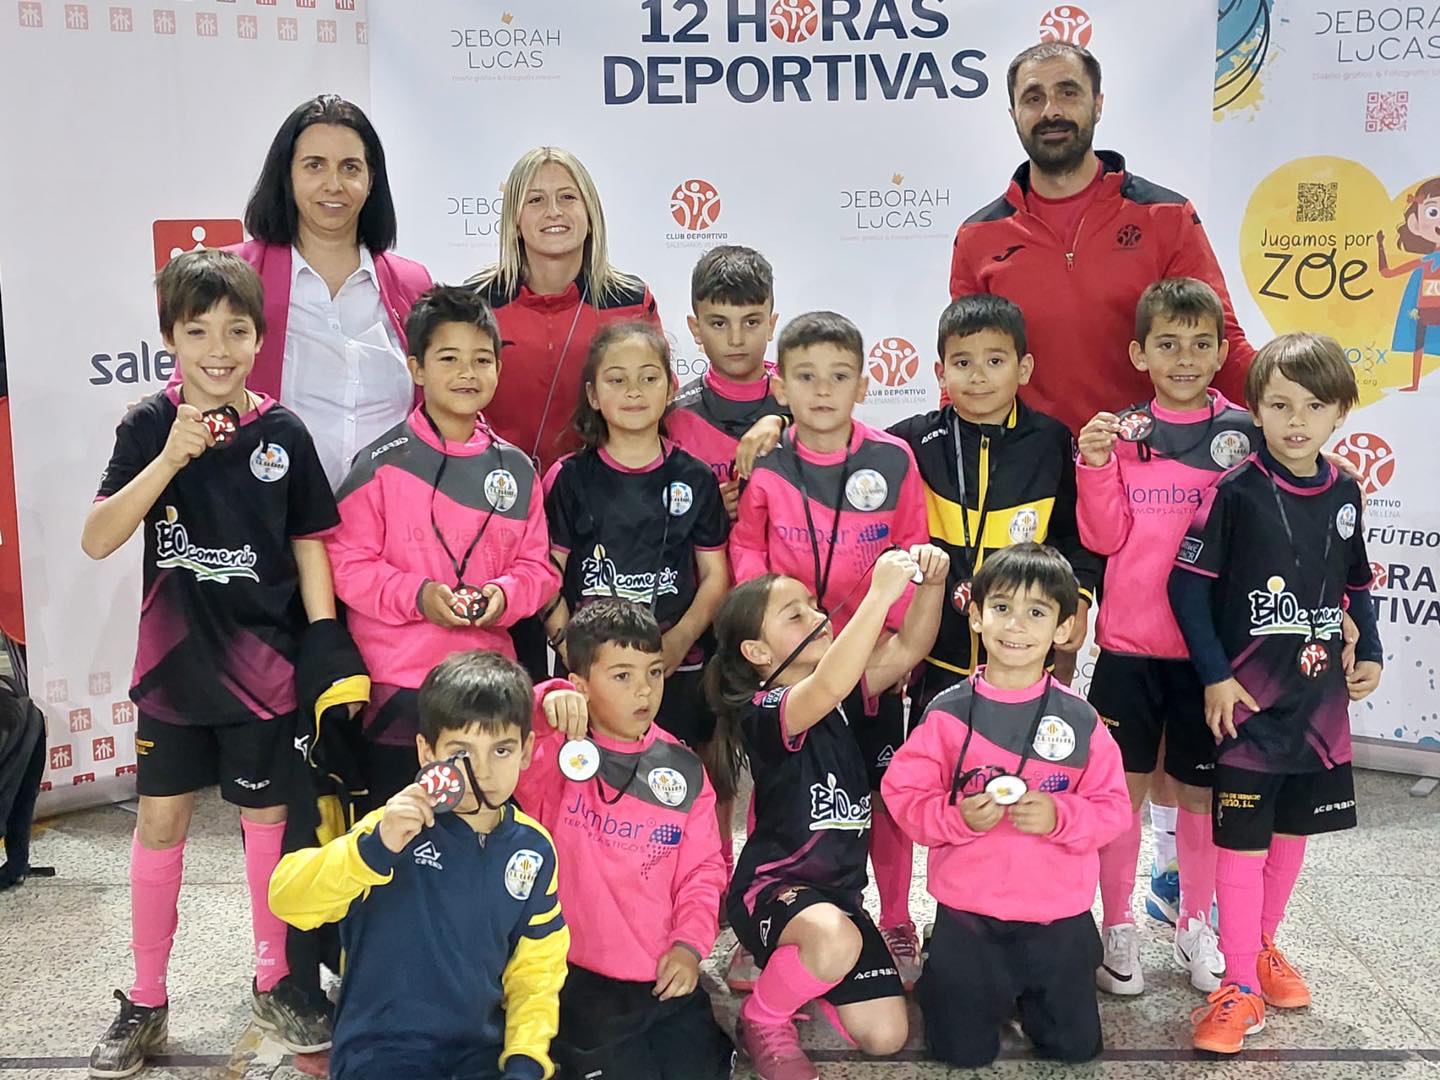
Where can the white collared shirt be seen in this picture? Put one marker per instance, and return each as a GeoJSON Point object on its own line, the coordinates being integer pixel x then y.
{"type": "Point", "coordinates": [344, 371]}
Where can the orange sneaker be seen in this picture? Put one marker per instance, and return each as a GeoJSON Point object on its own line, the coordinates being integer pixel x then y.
{"type": "Point", "coordinates": [1230, 1015]}
{"type": "Point", "coordinates": [1280, 984]}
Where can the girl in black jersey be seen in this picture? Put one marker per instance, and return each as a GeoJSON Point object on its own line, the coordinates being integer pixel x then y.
{"type": "Point", "coordinates": [777, 683]}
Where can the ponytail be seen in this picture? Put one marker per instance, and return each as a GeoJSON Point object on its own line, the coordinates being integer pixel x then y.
{"type": "Point", "coordinates": [731, 681]}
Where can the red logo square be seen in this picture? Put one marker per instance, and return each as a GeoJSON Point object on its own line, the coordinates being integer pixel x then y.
{"type": "Point", "coordinates": [122, 20]}
{"type": "Point", "coordinates": [62, 757]}
{"type": "Point", "coordinates": [77, 17]}
{"type": "Point", "coordinates": [124, 770]}
{"type": "Point", "coordinates": [122, 712]}
{"type": "Point", "coordinates": [79, 720]}
{"type": "Point", "coordinates": [247, 27]}
{"type": "Point", "coordinates": [344, 5]}
{"type": "Point", "coordinates": [83, 778]}
{"type": "Point", "coordinates": [99, 683]}
{"type": "Point", "coordinates": [179, 235]}
{"type": "Point", "coordinates": [164, 21]}
{"type": "Point", "coordinates": [32, 15]}
{"type": "Point", "coordinates": [326, 31]}
{"type": "Point", "coordinates": [56, 691]}
{"type": "Point", "coordinates": [287, 29]}
{"type": "Point", "coordinates": [207, 24]}
{"type": "Point", "coordinates": [103, 748]}
{"type": "Point", "coordinates": [362, 34]}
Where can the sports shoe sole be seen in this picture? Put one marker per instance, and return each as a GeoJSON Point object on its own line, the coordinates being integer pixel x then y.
{"type": "Point", "coordinates": [1290, 1003]}
{"type": "Point", "coordinates": [114, 1074]}
{"type": "Point", "coordinates": [294, 1048]}
{"type": "Point", "coordinates": [1230, 1050]}
{"type": "Point", "coordinates": [1108, 981]}
{"type": "Point", "coordinates": [1183, 963]}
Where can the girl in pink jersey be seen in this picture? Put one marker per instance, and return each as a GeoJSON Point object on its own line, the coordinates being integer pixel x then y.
{"type": "Point", "coordinates": [779, 681]}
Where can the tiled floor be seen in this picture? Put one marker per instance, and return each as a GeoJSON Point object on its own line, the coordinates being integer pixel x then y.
{"type": "Point", "coordinates": [1361, 927]}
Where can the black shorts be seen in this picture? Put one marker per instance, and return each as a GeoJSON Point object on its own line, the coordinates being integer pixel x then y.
{"type": "Point", "coordinates": [874, 975]}
{"type": "Point", "coordinates": [1249, 808]}
{"type": "Point", "coordinates": [979, 968]}
{"type": "Point", "coordinates": [684, 712]}
{"type": "Point", "coordinates": [616, 1029]}
{"type": "Point", "coordinates": [879, 727]}
{"type": "Point", "coordinates": [253, 761]}
{"type": "Point", "coordinates": [1147, 699]}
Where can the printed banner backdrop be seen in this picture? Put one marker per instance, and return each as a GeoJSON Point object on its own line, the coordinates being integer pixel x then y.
{"type": "Point", "coordinates": [130, 131]}
{"type": "Point", "coordinates": [1325, 212]}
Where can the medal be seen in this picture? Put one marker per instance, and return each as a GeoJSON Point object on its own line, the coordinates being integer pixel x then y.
{"type": "Point", "coordinates": [1313, 660]}
{"type": "Point", "coordinates": [579, 759]}
{"type": "Point", "coordinates": [469, 603]}
{"type": "Point", "coordinates": [223, 423]}
{"type": "Point", "coordinates": [1006, 789]}
{"type": "Point", "coordinates": [1136, 425]}
{"type": "Point", "coordinates": [442, 781]}
{"type": "Point", "coordinates": [961, 597]}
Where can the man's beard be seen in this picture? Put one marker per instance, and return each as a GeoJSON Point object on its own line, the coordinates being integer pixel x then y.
{"type": "Point", "coordinates": [1060, 158]}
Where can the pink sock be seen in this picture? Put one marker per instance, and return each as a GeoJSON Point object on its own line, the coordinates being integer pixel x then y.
{"type": "Point", "coordinates": [783, 987]}
{"type": "Point", "coordinates": [1195, 843]}
{"type": "Point", "coordinates": [1240, 889]}
{"type": "Point", "coordinates": [893, 856]}
{"type": "Point", "coordinates": [1282, 868]}
{"type": "Point", "coordinates": [727, 852]}
{"type": "Point", "coordinates": [1117, 874]}
{"type": "Point", "coordinates": [262, 853]}
{"type": "Point", "coordinates": [154, 913]}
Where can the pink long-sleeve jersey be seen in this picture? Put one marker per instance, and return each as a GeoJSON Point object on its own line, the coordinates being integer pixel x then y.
{"type": "Point", "coordinates": [1135, 509]}
{"type": "Point", "coordinates": [875, 485]}
{"type": "Point", "coordinates": [639, 848]}
{"type": "Point", "coordinates": [386, 547]}
{"type": "Point", "coordinates": [1004, 873]}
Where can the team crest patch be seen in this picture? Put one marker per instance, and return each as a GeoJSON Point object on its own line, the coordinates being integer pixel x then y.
{"type": "Point", "coordinates": [1024, 525]}
{"type": "Point", "coordinates": [866, 490]}
{"type": "Point", "coordinates": [521, 872]}
{"type": "Point", "coordinates": [1345, 521]}
{"type": "Point", "coordinates": [772, 697]}
{"type": "Point", "coordinates": [1229, 448]}
{"type": "Point", "coordinates": [1190, 549]}
{"type": "Point", "coordinates": [501, 489]}
{"type": "Point", "coordinates": [269, 462]}
{"type": "Point", "coordinates": [668, 785]}
{"type": "Point", "coordinates": [679, 498]}
{"type": "Point", "coordinates": [1055, 739]}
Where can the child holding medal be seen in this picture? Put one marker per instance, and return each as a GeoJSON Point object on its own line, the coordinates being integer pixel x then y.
{"type": "Point", "coordinates": [1014, 784]}
{"type": "Point", "coordinates": [633, 817]}
{"type": "Point", "coordinates": [442, 540]}
{"type": "Point", "coordinates": [1273, 559]}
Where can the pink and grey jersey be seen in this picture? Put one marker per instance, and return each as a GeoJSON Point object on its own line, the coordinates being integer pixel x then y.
{"type": "Point", "coordinates": [875, 487]}
{"type": "Point", "coordinates": [711, 414]}
{"type": "Point", "coordinates": [387, 547]}
{"type": "Point", "coordinates": [639, 849]}
{"type": "Point", "coordinates": [1135, 508]}
{"type": "Point", "coordinates": [812, 806]}
{"type": "Point", "coordinates": [221, 616]}
{"type": "Point", "coordinates": [974, 732]}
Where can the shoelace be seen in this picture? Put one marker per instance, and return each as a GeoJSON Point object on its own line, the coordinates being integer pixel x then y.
{"type": "Point", "coordinates": [1275, 960]}
{"type": "Point", "coordinates": [778, 1042]}
{"type": "Point", "coordinates": [1226, 999]}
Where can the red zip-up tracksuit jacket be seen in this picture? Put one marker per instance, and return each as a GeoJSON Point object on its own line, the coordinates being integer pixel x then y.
{"type": "Point", "coordinates": [1079, 300]}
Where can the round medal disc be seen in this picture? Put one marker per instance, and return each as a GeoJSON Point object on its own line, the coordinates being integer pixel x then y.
{"type": "Point", "coordinates": [1006, 789]}
{"type": "Point", "coordinates": [1314, 660]}
{"type": "Point", "coordinates": [443, 783]}
{"type": "Point", "coordinates": [1136, 425]}
{"type": "Point", "coordinates": [223, 423]}
{"type": "Point", "coordinates": [961, 598]}
{"type": "Point", "coordinates": [579, 759]}
{"type": "Point", "coordinates": [469, 603]}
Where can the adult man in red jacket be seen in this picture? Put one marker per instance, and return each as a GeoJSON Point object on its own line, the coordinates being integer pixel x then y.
{"type": "Point", "coordinates": [1074, 241]}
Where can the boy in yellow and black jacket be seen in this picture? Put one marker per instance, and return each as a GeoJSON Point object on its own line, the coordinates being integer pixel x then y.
{"type": "Point", "coordinates": [454, 941]}
{"type": "Point", "coordinates": [996, 473]}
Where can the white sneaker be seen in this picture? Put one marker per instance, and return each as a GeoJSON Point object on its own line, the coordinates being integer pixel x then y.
{"type": "Point", "coordinates": [1119, 972]}
{"type": "Point", "coordinates": [1197, 950]}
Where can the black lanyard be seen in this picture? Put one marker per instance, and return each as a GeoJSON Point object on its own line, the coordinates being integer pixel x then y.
{"type": "Point", "coordinates": [959, 779]}
{"type": "Point", "coordinates": [822, 579]}
{"type": "Point", "coordinates": [1295, 558]}
{"type": "Point", "coordinates": [971, 549]}
{"type": "Point", "coordinates": [619, 791]}
{"type": "Point", "coordinates": [458, 565]}
{"type": "Point", "coordinates": [1146, 453]}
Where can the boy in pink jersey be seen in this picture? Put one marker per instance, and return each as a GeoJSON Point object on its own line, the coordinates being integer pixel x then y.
{"type": "Point", "coordinates": [633, 819]}
{"type": "Point", "coordinates": [732, 292]}
{"type": "Point", "coordinates": [1141, 474]}
{"type": "Point", "coordinates": [442, 541]}
{"type": "Point", "coordinates": [821, 508]}
{"type": "Point", "coordinates": [1014, 783]}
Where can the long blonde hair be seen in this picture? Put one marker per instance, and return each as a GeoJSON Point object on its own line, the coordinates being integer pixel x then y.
{"type": "Point", "coordinates": [510, 271]}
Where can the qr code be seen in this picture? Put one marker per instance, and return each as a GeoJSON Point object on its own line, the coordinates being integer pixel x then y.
{"type": "Point", "coordinates": [1316, 202]}
{"type": "Point", "coordinates": [1387, 110]}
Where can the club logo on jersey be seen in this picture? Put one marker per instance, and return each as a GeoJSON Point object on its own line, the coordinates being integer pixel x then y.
{"type": "Point", "coordinates": [521, 872]}
{"type": "Point", "coordinates": [1345, 521]}
{"type": "Point", "coordinates": [173, 550]}
{"type": "Point", "coordinates": [599, 576]}
{"type": "Point", "coordinates": [1024, 525]}
{"type": "Point", "coordinates": [668, 786]}
{"type": "Point", "coordinates": [664, 839]}
{"type": "Point", "coordinates": [866, 490]}
{"type": "Point", "coordinates": [772, 697]}
{"type": "Point", "coordinates": [679, 498]}
{"type": "Point", "coordinates": [1276, 610]}
{"type": "Point", "coordinates": [831, 807]}
{"type": "Point", "coordinates": [1054, 739]}
{"type": "Point", "coordinates": [1229, 448]}
{"type": "Point", "coordinates": [269, 462]}
{"type": "Point", "coordinates": [427, 854]}
{"type": "Point", "coordinates": [501, 489]}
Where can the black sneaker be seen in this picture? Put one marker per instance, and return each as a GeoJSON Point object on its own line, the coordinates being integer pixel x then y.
{"type": "Point", "coordinates": [137, 1033]}
{"type": "Point", "coordinates": [299, 1025]}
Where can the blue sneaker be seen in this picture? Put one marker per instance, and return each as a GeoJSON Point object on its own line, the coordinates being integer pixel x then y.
{"type": "Point", "coordinates": [1163, 903]}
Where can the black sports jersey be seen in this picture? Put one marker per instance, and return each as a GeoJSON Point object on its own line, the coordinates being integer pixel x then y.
{"type": "Point", "coordinates": [221, 616]}
{"type": "Point", "coordinates": [812, 805]}
{"type": "Point", "coordinates": [1270, 598]}
{"type": "Point", "coordinates": [612, 520]}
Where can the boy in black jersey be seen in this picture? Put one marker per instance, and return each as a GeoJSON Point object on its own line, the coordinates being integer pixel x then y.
{"type": "Point", "coordinates": [232, 500]}
{"type": "Point", "coordinates": [1274, 558]}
